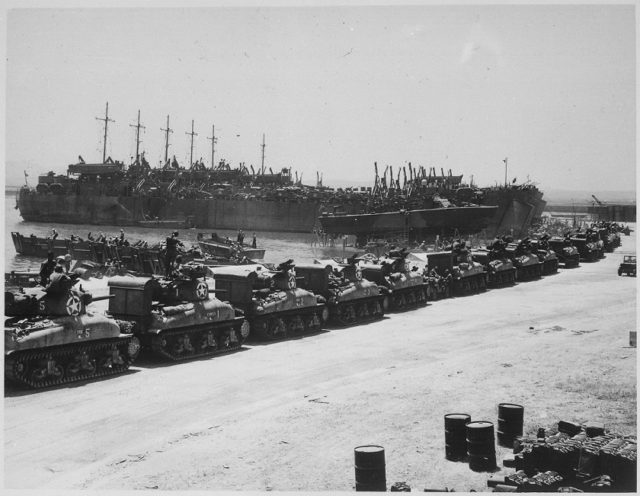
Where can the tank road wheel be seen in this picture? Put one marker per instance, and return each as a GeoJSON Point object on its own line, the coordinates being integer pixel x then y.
{"type": "Point", "coordinates": [473, 285]}
{"type": "Point", "coordinates": [363, 311]}
{"type": "Point", "coordinates": [46, 368]}
{"type": "Point", "coordinates": [346, 314]}
{"type": "Point", "coordinates": [295, 326]}
{"type": "Point", "coordinates": [73, 305]}
{"type": "Point", "coordinates": [224, 341]}
{"type": "Point", "coordinates": [208, 340]}
{"type": "Point", "coordinates": [276, 329]}
{"type": "Point", "coordinates": [313, 322]}
{"type": "Point", "coordinates": [411, 299]}
{"type": "Point", "coordinates": [202, 290]}
{"type": "Point", "coordinates": [80, 363]}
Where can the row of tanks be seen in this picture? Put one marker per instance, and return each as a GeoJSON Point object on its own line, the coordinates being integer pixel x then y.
{"type": "Point", "coordinates": [53, 337]}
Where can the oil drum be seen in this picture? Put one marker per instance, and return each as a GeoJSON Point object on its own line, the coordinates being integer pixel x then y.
{"type": "Point", "coordinates": [370, 468]}
{"type": "Point", "coordinates": [510, 423]}
{"type": "Point", "coordinates": [455, 435]}
{"type": "Point", "coordinates": [481, 448]}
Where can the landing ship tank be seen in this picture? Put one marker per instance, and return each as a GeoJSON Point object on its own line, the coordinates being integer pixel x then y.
{"type": "Point", "coordinates": [273, 304]}
{"type": "Point", "coordinates": [467, 276]}
{"type": "Point", "coordinates": [566, 252]}
{"type": "Point", "coordinates": [350, 298]}
{"type": "Point", "coordinates": [403, 288]}
{"type": "Point", "coordinates": [541, 249]}
{"type": "Point", "coordinates": [528, 266]}
{"type": "Point", "coordinates": [176, 317]}
{"type": "Point", "coordinates": [500, 269]}
{"type": "Point", "coordinates": [50, 338]}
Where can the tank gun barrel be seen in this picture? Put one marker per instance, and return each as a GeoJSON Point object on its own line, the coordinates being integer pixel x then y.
{"type": "Point", "coordinates": [104, 297]}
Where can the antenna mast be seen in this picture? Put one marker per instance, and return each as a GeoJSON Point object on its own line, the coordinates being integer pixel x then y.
{"type": "Point", "coordinates": [192, 134]}
{"type": "Point", "coordinates": [137, 126]}
{"type": "Point", "coordinates": [166, 143]}
{"type": "Point", "coordinates": [213, 142]}
{"type": "Point", "coordinates": [106, 123]}
{"type": "Point", "coordinates": [506, 161]}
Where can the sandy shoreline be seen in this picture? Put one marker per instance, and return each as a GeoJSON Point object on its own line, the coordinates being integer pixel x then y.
{"type": "Point", "coordinates": [287, 415]}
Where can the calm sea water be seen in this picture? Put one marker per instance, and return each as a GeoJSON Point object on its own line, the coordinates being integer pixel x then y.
{"type": "Point", "coordinates": [279, 246]}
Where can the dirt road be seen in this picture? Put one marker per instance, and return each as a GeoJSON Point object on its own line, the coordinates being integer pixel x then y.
{"type": "Point", "coordinates": [286, 416]}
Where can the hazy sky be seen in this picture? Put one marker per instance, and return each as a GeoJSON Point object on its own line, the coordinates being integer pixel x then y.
{"type": "Point", "coordinates": [333, 88]}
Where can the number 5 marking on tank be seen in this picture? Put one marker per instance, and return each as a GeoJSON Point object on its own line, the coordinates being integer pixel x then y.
{"type": "Point", "coordinates": [84, 333]}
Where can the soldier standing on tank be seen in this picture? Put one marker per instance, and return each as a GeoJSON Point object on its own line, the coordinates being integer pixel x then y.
{"type": "Point", "coordinates": [172, 252]}
{"type": "Point", "coordinates": [60, 282]}
{"type": "Point", "coordinates": [46, 269]}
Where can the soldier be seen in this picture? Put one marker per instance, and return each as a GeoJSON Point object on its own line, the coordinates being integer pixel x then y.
{"type": "Point", "coordinates": [253, 241]}
{"type": "Point", "coordinates": [60, 282]}
{"type": "Point", "coordinates": [46, 269]}
{"type": "Point", "coordinates": [172, 252]}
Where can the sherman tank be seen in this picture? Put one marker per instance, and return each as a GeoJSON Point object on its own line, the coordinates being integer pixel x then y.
{"type": "Point", "coordinates": [528, 265]}
{"type": "Point", "coordinates": [403, 287]}
{"type": "Point", "coordinates": [500, 269]}
{"type": "Point", "coordinates": [176, 317]}
{"type": "Point", "coordinates": [566, 252]}
{"type": "Point", "coordinates": [541, 249]}
{"type": "Point", "coordinates": [587, 246]}
{"type": "Point", "coordinates": [350, 298]}
{"type": "Point", "coordinates": [467, 276]}
{"type": "Point", "coordinates": [273, 304]}
{"type": "Point", "coordinates": [51, 338]}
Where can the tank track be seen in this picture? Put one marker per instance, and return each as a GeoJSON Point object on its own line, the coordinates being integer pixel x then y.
{"type": "Point", "coordinates": [470, 285]}
{"type": "Point", "coordinates": [529, 272]}
{"type": "Point", "coordinates": [70, 363]}
{"type": "Point", "coordinates": [357, 311]}
{"type": "Point", "coordinates": [573, 261]}
{"type": "Point", "coordinates": [502, 278]}
{"type": "Point", "coordinates": [406, 298]}
{"type": "Point", "coordinates": [197, 341]}
{"type": "Point", "coordinates": [283, 325]}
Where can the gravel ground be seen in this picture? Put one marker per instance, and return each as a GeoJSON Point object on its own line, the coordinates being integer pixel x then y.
{"type": "Point", "coordinates": [286, 416]}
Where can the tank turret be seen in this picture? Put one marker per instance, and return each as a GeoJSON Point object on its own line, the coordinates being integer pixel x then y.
{"type": "Point", "coordinates": [404, 287]}
{"type": "Point", "coordinates": [177, 318]}
{"type": "Point", "coordinates": [274, 305]}
{"type": "Point", "coordinates": [350, 297]}
{"type": "Point", "coordinates": [52, 338]}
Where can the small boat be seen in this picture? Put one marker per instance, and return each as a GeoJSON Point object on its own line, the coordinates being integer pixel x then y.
{"type": "Point", "coordinates": [217, 246]}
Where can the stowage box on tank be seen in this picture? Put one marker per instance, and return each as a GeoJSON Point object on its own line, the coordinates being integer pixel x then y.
{"type": "Point", "coordinates": [350, 297]}
{"type": "Point", "coordinates": [273, 304]}
{"type": "Point", "coordinates": [176, 317]}
{"type": "Point", "coordinates": [51, 338]}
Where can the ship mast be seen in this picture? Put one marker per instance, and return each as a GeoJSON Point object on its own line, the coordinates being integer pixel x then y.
{"type": "Point", "coordinates": [263, 147]}
{"type": "Point", "coordinates": [506, 161]}
{"type": "Point", "coordinates": [166, 142]}
{"type": "Point", "coordinates": [106, 123]}
{"type": "Point", "coordinates": [213, 142]}
{"type": "Point", "coordinates": [137, 126]}
{"type": "Point", "coordinates": [192, 134]}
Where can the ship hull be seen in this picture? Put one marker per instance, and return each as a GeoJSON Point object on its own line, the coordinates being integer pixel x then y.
{"type": "Point", "coordinates": [517, 209]}
{"type": "Point", "coordinates": [254, 215]}
{"type": "Point", "coordinates": [464, 220]}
